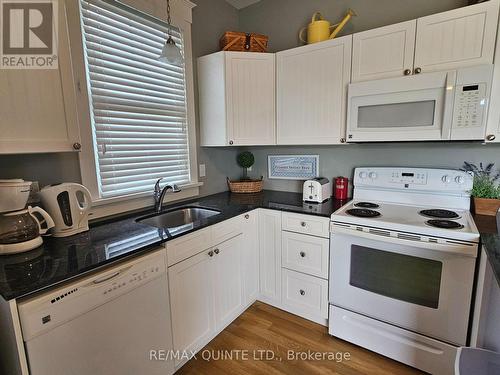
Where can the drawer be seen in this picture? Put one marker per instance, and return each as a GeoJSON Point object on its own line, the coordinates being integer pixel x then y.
{"type": "Point", "coordinates": [227, 229]}
{"type": "Point", "coordinates": [305, 254]}
{"type": "Point", "coordinates": [188, 245]}
{"type": "Point", "coordinates": [304, 295]}
{"type": "Point", "coordinates": [307, 224]}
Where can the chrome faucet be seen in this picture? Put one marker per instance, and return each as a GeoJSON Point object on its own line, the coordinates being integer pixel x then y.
{"type": "Point", "coordinates": [159, 194]}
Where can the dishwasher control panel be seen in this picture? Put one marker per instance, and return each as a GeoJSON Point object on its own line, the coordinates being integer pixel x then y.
{"type": "Point", "coordinates": [56, 307]}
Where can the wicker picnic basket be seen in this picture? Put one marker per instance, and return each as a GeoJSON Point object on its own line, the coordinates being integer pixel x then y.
{"type": "Point", "coordinates": [246, 186]}
{"type": "Point", "coordinates": [243, 42]}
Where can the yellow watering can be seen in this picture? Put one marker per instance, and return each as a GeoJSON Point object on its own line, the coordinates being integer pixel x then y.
{"type": "Point", "coordinates": [320, 29]}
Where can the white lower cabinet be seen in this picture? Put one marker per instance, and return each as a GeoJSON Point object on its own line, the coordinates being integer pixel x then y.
{"type": "Point", "coordinates": [305, 295]}
{"type": "Point", "coordinates": [211, 288]}
{"type": "Point", "coordinates": [229, 298]}
{"type": "Point", "coordinates": [192, 302]}
{"type": "Point", "coordinates": [250, 256]}
{"type": "Point", "coordinates": [270, 256]}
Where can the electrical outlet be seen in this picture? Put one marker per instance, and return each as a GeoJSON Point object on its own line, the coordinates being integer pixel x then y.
{"type": "Point", "coordinates": [203, 171]}
{"type": "Point", "coordinates": [33, 197]}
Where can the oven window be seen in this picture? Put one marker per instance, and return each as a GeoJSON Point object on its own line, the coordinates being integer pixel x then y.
{"type": "Point", "coordinates": [403, 277]}
{"type": "Point", "coordinates": [397, 115]}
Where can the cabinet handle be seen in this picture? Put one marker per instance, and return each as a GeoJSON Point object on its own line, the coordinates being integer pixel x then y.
{"type": "Point", "coordinates": [491, 137]}
{"type": "Point", "coordinates": [407, 72]}
{"type": "Point", "coordinates": [418, 70]}
{"type": "Point", "coordinates": [231, 142]}
{"type": "Point", "coordinates": [216, 251]}
{"type": "Point", "coordinates": [77, 146]}
{"type": "Point", "coordinates": [302, 292]}
{"type": "Point", "coordinates": [342, 140]}
{"type": "Point", "coordinates": [303, 224]}
{"type": "Point", "coordinates": [247, 216]}
{"type": "Point", "coordinates": [210, 253]}
{"type": "Point", "coordinates": [302, 254]}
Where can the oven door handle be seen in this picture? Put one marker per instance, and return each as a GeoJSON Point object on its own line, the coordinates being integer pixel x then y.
{"type": "Point", "coordinates": [465, 249]}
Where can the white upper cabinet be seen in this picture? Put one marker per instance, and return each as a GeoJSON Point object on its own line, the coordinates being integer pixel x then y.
{"type": "Point", "coordinates": [460, 37]}
{"type": "Point", "coordinates": [237, 99]}
{"type": "Point", "coordinates": [38, 107]}
{"type": "Point", "coordinates": [312, 92]}
{"type": "Point", "coordinates": [493, 122]}
{"type": "Point", "coordinates": [448, 40]}
{"type": "Point", "coordinates": [383, 52]}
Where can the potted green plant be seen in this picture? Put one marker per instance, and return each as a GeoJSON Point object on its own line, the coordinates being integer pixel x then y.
{"type": "Point", "coordinates": [486, 189]}
{"type": "Point", "coordinates": [245, 160]}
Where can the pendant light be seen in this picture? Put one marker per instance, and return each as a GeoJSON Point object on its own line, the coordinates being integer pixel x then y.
{"type": "Point", "coordinates": [171, 53]}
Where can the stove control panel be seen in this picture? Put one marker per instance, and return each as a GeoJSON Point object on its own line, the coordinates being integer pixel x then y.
{"type": "Point", "coordinates": [421, 179]}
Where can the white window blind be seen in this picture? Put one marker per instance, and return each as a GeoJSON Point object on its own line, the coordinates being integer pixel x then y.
{"type": "Point", "coordinates": [138, 104]}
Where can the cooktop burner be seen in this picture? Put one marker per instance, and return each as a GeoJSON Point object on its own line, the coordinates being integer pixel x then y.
{"type": "Point", "coordinates": [366, 205]}
{"type": "Point", "coordinates": [440, 214]}
{"type": "Point", "coordinates": [446, 224]}
{"type": "Point", "coordinates": [362, 212]}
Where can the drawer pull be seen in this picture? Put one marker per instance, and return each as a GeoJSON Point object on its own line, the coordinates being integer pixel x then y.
{"type": "Point", "coordinates": [210, 253]}
{"type": "Point", "coordinates": [216, 251]}
{"type": "Point", "coordinates": [303, 223]}
{"type": "Point", "coordinates": [302, 292]}
{"type": "Point", "coordinates": [302, 254]}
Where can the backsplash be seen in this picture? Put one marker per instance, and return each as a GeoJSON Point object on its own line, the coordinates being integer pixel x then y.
{"type": "Point", "coordinates": [341, 160]}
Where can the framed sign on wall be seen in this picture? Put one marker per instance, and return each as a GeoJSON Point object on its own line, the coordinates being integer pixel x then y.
{"type": "Point", "coordinates": [293, 167]}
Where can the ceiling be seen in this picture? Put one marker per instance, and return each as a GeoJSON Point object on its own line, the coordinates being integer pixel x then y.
{"type": "Point", "coordinates": [239, 4]}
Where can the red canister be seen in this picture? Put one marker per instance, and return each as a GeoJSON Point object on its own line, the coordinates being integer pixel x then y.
{"type": "Point", "coordinates": [341, 187]}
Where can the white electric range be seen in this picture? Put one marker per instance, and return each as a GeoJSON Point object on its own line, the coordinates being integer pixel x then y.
{"type": "Point", "coordinates": [402, 261]}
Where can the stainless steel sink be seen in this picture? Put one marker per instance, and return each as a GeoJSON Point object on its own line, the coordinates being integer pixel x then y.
{"type": "Point", "coordinates": [179, 217]}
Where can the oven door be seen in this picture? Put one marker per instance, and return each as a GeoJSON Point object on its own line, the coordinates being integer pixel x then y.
{"type": "Point", "coordinates": [417, 108]}
{"type": "Point", "coordinates": [420, 288]}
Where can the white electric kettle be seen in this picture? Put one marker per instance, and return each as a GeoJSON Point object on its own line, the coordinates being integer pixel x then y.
{"type": "Point", "coordinates": [68, 204]}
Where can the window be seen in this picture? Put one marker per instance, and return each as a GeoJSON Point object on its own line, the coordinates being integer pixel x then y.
{"type": "Point", "coordinates": [138, 105]}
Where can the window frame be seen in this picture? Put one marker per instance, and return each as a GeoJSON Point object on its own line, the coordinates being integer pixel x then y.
{"type": "Point", "coordinates": [181, 14]}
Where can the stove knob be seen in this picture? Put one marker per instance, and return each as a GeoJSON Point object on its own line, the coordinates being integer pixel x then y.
{"type": "Point", "coordinates": [372, 175]}
{"type": "Point", "coordinates": [446, 179]}
{"type": "Point", "coordinates": [459, 180]}
{"type": "Point", "coordinates": [362, 174]}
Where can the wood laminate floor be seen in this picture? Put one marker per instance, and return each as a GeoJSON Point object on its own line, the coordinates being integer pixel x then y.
{"type": "Point", "coordinates": [259, 341]}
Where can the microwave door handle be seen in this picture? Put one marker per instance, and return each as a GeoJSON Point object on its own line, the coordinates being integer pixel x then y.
{"type": "Point", "coordinates": [449, 101]}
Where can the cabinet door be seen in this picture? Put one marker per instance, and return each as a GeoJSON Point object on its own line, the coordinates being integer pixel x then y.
{"type": "Point", "coordinates": [493, 121]}
{"type": "Point", "coordinates": [383, 52]}
{"type": "Point", "coordinates": [250, 97]}
{"type": "Point", "coordinates": [460, 37]}
{"type": "Point", "coordinates": [250, 257]}
{"type": "Point", "coordinates": [312, 92]}
{"type": "Point", "coordinates": [192, 302]}
{"type": "Point", "coordinates": [38, 106]}
{"type": "Point", "coordinates": [270, 256]}
{"type": "Point", "coordinates": [228, 276]}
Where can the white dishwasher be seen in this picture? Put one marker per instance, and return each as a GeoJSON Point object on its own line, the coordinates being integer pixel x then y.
{"type": "Point", "coordinates": [105, 324]}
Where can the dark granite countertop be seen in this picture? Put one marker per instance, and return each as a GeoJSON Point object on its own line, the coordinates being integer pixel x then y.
{"type": "Point", "coordinates": [61, 259]}
{"type": "Point", "coordinates": [490, 239]}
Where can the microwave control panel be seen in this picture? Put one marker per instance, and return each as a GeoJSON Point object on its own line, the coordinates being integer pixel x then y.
{"type": "Point", "coordinates": [470, 103]}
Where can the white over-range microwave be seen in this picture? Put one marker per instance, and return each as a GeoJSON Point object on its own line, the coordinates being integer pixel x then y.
{"type": "Point", "coordinates": [448, 105]}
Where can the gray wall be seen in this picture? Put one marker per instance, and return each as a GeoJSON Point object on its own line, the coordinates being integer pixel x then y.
{"type": "Point", "coordinates": [341, 160]}
{"type": "Point", "coordinates": [210, 19]}
{"type": "Point", "coordinates": [281, 20]}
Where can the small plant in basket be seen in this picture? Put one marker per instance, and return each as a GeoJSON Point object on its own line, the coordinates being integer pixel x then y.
{"type": "Point", "coordinates": [486, 189]}
{"type": "Point", "coordinates": [245, 160]}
